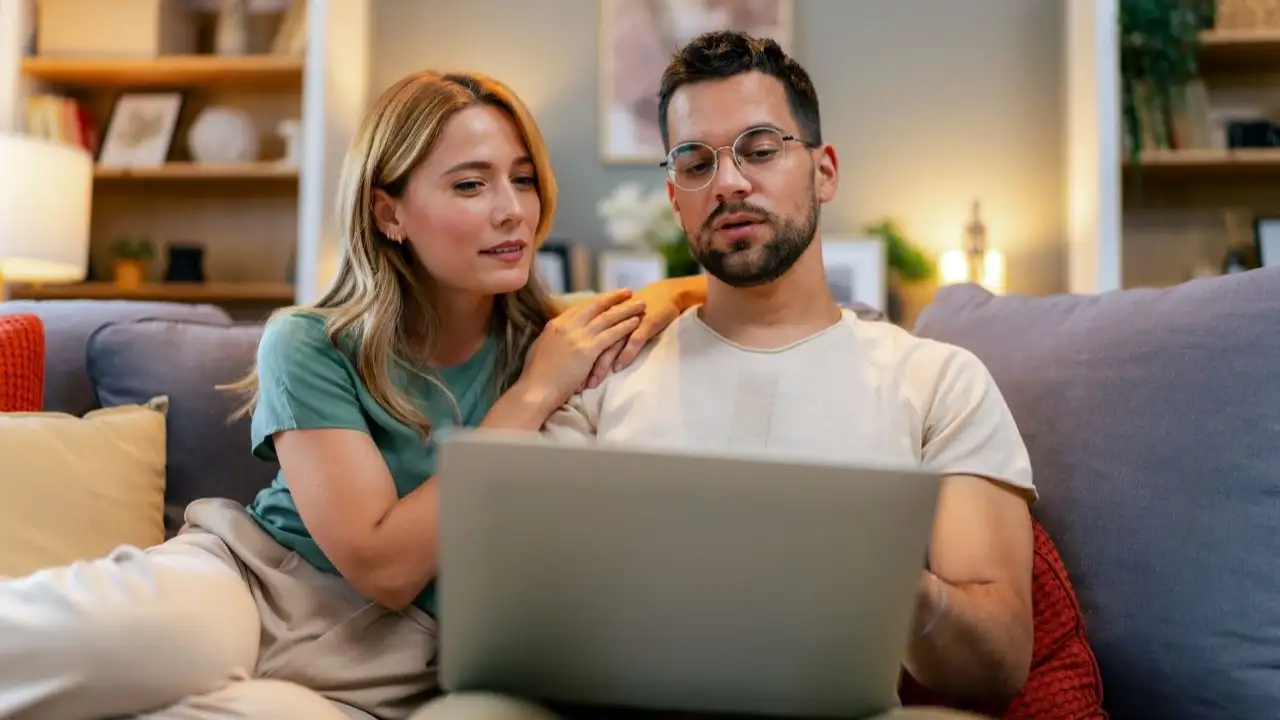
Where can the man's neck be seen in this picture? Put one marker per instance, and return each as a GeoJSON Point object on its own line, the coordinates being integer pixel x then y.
{"type": "Point", "coordinates": [464, 324]}
{"type": "Point", "coordinates": [787, 310]}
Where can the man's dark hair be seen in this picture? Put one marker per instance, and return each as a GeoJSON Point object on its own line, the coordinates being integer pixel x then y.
{"type": "Point", "coordinates": [724, 54]}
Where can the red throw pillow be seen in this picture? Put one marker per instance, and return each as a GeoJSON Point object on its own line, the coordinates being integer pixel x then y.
{"type": "Point", "coordinates": [1065, 682]}
{"type": "Point", "coordinates": [21, 363]}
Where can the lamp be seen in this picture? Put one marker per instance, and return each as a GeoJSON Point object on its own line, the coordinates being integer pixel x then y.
{"type": "Point", "coordinates": [46, 191]}
{"type": "Point", "coordinates": [975, 262]}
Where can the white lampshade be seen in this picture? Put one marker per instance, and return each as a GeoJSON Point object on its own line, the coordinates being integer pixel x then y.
{"type": "Point", "coordinates": [46, 191]}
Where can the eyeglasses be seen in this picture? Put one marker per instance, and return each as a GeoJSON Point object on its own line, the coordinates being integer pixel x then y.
{"type": "Point", "coordinates": [691, 166]}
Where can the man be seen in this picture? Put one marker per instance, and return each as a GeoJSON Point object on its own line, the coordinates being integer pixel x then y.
{"type": "Point", "coordinates": [770, 361]}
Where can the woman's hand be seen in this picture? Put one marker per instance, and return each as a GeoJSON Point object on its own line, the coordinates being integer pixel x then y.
{"type": "Point", "coordinates": [664, 301]}
{"type": "Point", "coordinates": [560, 360]}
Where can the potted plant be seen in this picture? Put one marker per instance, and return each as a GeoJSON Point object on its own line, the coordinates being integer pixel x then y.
{"type": "Point", "coordinates": [644, 219]}
{"type": "Point", "coordinates": [1159, 55]}
{"type": "Point", "coordinates": [131, 257]}
{"type": "Point", "coordinates": [907, 263]}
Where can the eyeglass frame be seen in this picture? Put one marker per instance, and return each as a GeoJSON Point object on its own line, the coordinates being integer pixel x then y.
{"type": "Point", "coordinates": [715, 153]}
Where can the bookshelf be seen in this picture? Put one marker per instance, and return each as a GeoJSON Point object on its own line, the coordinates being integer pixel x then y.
{"type": "Point", "coordinates": [264, 222]}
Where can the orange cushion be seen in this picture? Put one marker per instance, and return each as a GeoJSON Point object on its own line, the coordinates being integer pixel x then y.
{"type": "Point", "coordinates": [1065, 682]}
{"type": "Point", "coordinates": [21, 363]}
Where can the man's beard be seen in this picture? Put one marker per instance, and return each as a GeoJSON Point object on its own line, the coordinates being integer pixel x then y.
{"type": "Point", "coordinates": [743, 265]}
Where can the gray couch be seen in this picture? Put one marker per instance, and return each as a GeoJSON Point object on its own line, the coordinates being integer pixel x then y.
{"type": "Point", "coordinates": [1152, 418]}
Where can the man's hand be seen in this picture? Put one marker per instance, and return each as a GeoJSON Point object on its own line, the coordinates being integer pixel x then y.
{"type": "Point", "coordinates": [664, 302]}
{"type": "Point", "coordinates": [973, 630]}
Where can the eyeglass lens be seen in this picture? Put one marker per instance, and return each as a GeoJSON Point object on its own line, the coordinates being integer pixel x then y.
{"type": "Point", "coordinates": [693, 165]}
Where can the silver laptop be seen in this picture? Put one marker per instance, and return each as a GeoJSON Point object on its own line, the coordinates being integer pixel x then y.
{"type": "Point", "coordinates": [676, 580]}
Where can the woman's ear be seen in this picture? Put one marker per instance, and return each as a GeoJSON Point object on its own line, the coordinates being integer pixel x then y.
{"type": "Point", "coordinates": [384, 216]}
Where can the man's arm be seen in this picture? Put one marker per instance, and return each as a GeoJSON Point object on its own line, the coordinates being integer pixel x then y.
{"type": "Point", "coordinates": [974, 630]}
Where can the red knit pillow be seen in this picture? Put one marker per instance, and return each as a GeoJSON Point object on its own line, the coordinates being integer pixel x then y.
{"type": "Point", "coordinates": [21, 363]}
{"type": "Point", "coordinates": [1065, 682]}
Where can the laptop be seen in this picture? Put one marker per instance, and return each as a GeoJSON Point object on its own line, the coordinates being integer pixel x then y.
{"type": "Point", "coordinates": [678, 580]}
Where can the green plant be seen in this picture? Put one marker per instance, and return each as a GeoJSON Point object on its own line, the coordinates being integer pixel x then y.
{"type": "Point", "coordinates": [909, 261]}
{"type": "Point", "coordinates": [129, 248]}
{"type": "Point", "coordinates": [1159, 55]}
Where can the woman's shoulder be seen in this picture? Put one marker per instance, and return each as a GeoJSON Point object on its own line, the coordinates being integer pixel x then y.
{"type": "Point", "coordinates": [297, 335]}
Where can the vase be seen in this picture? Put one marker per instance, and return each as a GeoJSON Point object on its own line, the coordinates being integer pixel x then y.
{"type": "Point", "coordinates": [233, 28]}
{"type": "Point", "coordinates": [129, 273]}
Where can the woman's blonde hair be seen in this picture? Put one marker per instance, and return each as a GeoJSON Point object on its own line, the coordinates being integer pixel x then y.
{"type": "Point", "coordinates": [378, 301]}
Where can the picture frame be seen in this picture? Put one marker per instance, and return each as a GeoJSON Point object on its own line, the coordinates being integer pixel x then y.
{"type": "Point", "coordinates": [636, 41]}
{"type": "Point", "coordinates": [141, 129]}
{"type": "Point", "coordinates": [553, 263]}
{"type": "Point", "coordinates": [1266, 239]}
{"type": "Point", "coordinates": [629, 269]}
{"type": "Point", "coordinates": [857, 270]}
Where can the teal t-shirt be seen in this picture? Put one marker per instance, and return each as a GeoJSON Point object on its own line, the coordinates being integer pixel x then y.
{"type": "Point", "coordinates": [306, 382]}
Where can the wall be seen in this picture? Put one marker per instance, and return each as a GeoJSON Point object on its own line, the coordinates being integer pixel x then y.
{"type": "Point", "coordinates": [930, 105]}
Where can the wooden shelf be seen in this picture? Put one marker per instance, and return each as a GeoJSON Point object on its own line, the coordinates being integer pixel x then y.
{"type": "Point", "coordinates": [1210, 162]}
{"type": "Point", "coordinates": [1240, 52]}
{"type": "Point", "coordinates": [198, 171]}
{"type": "Point", "coordinates": [251, 72]}
{"type": "Point", "coordinates": [269, 293]}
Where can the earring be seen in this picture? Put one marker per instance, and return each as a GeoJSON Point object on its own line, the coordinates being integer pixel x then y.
{"type": "Point", "coordinates": [396, 237]}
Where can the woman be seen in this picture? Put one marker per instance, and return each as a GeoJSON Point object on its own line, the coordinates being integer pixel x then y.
{"type": "Point", "coordinates": [315, 601]}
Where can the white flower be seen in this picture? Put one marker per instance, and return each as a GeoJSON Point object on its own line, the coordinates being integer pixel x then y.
{"type": "Point", "coordinates": [635, 217]}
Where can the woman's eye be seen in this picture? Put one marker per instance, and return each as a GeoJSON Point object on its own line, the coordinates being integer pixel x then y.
{"type": "Point", "coordinates": [527, 181]}
{"type": "Point", "coordinates": [467, 186]}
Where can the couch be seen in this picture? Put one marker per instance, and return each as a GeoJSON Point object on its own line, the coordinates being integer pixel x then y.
{"type": "Point", "coordinates": [1152, 418]}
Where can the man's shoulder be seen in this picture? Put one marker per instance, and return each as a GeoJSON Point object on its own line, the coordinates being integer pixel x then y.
{"type": "Point", "coordinates": [923, 362]}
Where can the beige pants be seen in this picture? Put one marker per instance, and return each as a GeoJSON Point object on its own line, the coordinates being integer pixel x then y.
{"type": "Point", "coordinates": [219, 622]}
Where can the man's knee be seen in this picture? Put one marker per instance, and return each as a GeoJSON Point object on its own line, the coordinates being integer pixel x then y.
{"type": "Point", "coordinates": [250, 699]}
{"type": "Point", "coordinates": [482, 706]}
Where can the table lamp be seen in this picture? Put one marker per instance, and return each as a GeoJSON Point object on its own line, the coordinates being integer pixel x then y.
{"type": "Point", "coordinates": [46, 191]}
{"type": "Point", "coordinates": [977, 262]}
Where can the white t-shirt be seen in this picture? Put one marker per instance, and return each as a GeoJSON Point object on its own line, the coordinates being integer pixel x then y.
{"type": "Point", "coordinates": [859, 391]}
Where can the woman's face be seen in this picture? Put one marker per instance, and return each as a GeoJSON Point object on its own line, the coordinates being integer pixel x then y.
{"type": "Point", "coordinates": [470, 208]}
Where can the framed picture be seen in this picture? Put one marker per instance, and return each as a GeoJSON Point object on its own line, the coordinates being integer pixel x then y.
{"type": "Point", "coordinates": [619, 269]}
{"type": "Point", "coordinates": [140, 131]}
{"type": "Point", "coordinates": [1266, 235]}
{"type": "Point", "coordinates": [857, 270]}
{"type": "Point", "coordinates": [552, 263]}
{"type": "Point", "coordinates": [637, 40]}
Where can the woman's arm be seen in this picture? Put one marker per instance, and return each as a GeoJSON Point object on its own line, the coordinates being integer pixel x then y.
{"type": "Point", "coordinates": [384, 546]}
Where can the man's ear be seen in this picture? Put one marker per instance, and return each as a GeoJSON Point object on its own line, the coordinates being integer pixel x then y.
{"type": "Point", "coordinates": [384, 215]}
{"type": "Point", "coordinates": [827, 174]}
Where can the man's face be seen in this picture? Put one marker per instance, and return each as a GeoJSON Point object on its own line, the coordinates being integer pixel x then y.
{"type": "Point", "coordinates": [751, 220]}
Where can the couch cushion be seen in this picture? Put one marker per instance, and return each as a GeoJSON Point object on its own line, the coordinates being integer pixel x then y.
{"type": "Point", "coordinates": [68, 325]}
{"type": "Point", "coordinates": [75, 488]}
{"type": "Point", "coordinates": [21, 363]}
{"type": "Point", "coordinates": [208, 454]}
{"type": "Point", "coordinates": [1151, 417]}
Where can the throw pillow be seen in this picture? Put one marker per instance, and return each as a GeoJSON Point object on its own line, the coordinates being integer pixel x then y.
{"type": "Point", "coordinates": [21, 363]}
{"type": "Point", "coordinates": [1065, 683]}
{"type": "Point", "coordinates": [76, 488]}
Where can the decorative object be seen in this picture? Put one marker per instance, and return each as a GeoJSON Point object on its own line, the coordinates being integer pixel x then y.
{"type": "Point", "coordinates": [553, 265]}
{"type": "Point", "coordinates": [291, 132]}
{"type": "Point", "coordinates": [644, 220]}
{"type": "Point", "coordinates": [291, 37]}
{"type": "Point", "coordinates": [856, 270]}
{"type": "Point", "coordinates": [232, 37]}
{"type": "Point", "coordinates": [1248, 14]}
{"type": "Point", "coordinates": [44, 235]}
{"type": "Point", "coordinates": [1266, 234]}
{"type": "Point", "coordinates": [907, 264]}
{"type": "Point", "coordinates": [629, 269]}
{"type": "Point", "coordinates": [141, 130]}
{"type": "Point", "coordinates": [131, 256]}
{"type": "Point", "coordinates": [1159, 45]}
{"type": "Point", "coordinates": [975, 262]}
{"type": "Point", "coordinates": [636, 41]}
{"type": "Point", "coordinates": [136, 29]}
{"type": "Point", "coordinates": [223, 135]}
{"type": "Point", "coordinates": [186, 264]}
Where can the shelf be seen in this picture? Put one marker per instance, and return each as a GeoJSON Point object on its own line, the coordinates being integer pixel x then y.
{"type": "Point", "coordinates": [267, 170]}
{"type": "Point", "coordinates": [251, 72]}
{"type": "Point", "coordinates": [274, 293]}
{"type": "Point", "coordinates": [1210, 162]}
{"type": "Point", "coordinates": [1244, 52]}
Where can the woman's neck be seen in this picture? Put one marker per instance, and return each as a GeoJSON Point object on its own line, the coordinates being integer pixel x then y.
{"type": "Point", "coordinates": [465, 320]}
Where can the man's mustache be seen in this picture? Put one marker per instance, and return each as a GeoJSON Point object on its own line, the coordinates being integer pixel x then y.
{"type": "Point", "coordinates": [740, 206]}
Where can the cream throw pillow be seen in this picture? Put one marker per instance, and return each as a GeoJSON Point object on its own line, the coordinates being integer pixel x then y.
{"type": "Point", "coordinates": [76, 488]}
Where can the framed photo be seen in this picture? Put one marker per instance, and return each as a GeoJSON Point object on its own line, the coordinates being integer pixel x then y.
{"type": "Point", "coordinates": [637, 40]}
{"type": "Point", "coordinates": [1266, 235]}
{"type": "Point", "coordinates": [140, 131]}
{"type": "Point", "coordinates": [619, 269]}
{"type": "Point", "coordinates": [857, 270]}
{"type": "Point", "coordinates": [552, 263]}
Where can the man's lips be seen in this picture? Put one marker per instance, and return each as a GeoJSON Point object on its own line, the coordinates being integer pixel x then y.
{"type": "Point", "coordinates": [736, 220]}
